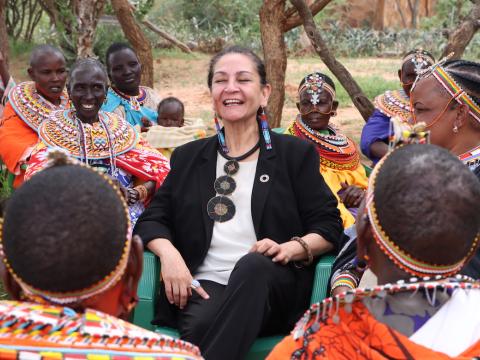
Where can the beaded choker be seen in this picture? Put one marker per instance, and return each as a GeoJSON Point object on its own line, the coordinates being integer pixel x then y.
{"type": "Point", "coordinates": [336, 151]}
{"type": "Point", "coordinates": [30, 106]}
{"type": "Point", "coordinates": [399, 256]}
{"type": "Point", "coordinates": [221, 208]}
{"type": "Point", "coordinates": [394, 103]}
{"type": "Point", "coordinates": [76, 296]}
{"type": "Point", "coordinates": [136, 101]}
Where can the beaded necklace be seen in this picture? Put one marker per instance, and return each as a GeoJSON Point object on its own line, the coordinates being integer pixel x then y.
{"type": "Point", "coordinates": [109, 137]}
{"type": "Point", "coordinates": [31, 107]}
{"type": "Point", "coordinates": [394, 103]}
{"type": "Point", "coordinates": [336, 151]}
{"type": "Point", "coordinates": [36, 331]}
{"type": "Point", "coordinates": [135, 101]}
{"type": "Point", "coordinates": [319, 313]}
{"type": "Point", "coordinates": [471, 158]}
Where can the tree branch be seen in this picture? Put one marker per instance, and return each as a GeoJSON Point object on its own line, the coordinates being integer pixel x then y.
{"type": "Point", "coordinates": [293, 19]}
{"type": "Point", "coordinates": [361, 102]}
{"type": "Point", "coordinates": [459, 38]}
{"type": "Point", "coordinates": [167, 36]}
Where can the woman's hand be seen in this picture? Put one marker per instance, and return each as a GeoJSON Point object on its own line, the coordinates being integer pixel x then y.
{"type": "Point", "coordinates": [176, 277]}
{"type": "Point", "coordinates": [351, 195]}
{"type": "Point", "coordinates": [281, 253]}
{"type": "Point", "coordinates": [132, 196]}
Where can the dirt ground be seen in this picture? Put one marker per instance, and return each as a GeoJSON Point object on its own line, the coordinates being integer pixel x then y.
{"type": "Point", "coordinates": [186, 77]}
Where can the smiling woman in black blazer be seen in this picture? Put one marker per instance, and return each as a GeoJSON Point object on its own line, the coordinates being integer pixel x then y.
{"type": "Point", "coordinates": [238, 221]}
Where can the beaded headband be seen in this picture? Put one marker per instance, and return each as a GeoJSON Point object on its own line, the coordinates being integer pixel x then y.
{"type": "Point", "coordinates": [449, 84]}
{"type": "Point", "coordinates": [399, 256]}
{"type": "Point", "coordinates": [59, 157]}
{"type": "Point", "coordinates": [420, 59]}
{"type": "Point", "coordinates": [314, 85]}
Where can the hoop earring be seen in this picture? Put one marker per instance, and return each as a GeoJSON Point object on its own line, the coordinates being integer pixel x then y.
{"type": "Point", "coordinates": [221, 137]}
{"type": "Point", "coordinates": [264, 127]}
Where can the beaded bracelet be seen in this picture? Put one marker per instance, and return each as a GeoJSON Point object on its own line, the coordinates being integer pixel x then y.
{"type": "Point", "coordinates": [306, 248]}
{"type": "Point", "coordinates": [346, 279]}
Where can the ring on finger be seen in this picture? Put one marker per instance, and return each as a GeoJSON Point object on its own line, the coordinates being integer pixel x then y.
{"type": "Point", "coordinates": [195, 284]}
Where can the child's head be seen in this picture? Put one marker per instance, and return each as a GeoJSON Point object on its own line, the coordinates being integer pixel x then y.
{"type": "Point", "coordinates": [170, 112]}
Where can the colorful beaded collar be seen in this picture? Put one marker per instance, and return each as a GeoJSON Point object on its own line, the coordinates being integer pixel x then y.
{"type": "Point", "coordinates": [34, 330]}
{"type": "Point", "coordinates": [136, 102]}
{"type": "Point", "coordinates": [56, 158]}
{"type": "Point", "coordinates": [394, 104]}
{"type": "Point", "coordinates": [336, 150]}
{"type": "Point", "coordinates": [32, 107]}
{"type": "Point", "coordinates": [399, 256]}
{"type": "Point", "coordinates": [471, 158]}
{"type": "Point", "coordinates": [328, 309]}
{"type": "Point", "coordinates": [62, 130]}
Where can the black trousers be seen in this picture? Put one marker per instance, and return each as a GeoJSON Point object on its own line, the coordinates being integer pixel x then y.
{"type": "Point", "coordinates": [259, 299]}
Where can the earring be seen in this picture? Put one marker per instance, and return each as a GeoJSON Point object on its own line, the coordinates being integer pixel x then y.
{"type": "Point", "coordinates": [221, 137]}
{"type": "Point", "coordinates": [264, 126]}
{"type": "Point", "coordinates": [455, 129]}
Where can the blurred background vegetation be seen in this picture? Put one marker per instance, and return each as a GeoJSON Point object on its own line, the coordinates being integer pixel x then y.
{"type": "Point", "coordinates": [207, 25]}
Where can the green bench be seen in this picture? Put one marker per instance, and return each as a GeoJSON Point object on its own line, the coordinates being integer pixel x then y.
{"type": "Point", "coordinates": [148, 290]}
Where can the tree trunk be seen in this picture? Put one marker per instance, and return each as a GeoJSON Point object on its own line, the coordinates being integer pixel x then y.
{"type": "Point", "coordinates": [272, 20]}
{"type": "Point", "coordinates": [378, 20]}
{"type": "Point", "coordinates": [3, 31]}
{"type": "Point", "coordinates": [88, 12]}
{"type": "Point", "coordinates": [459, 38]}
{"type": "Point", "coordinates": [414, 12]}
{"type": "Point", "coordinates": [362, 103]}
{"type": "Point", "coordinates": [136, 37]}
{"type": "Point", "coordinates": [400, 12]}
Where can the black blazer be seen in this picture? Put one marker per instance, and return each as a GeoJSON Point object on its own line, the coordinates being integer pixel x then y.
{"type": "Point", "coordinates": [293, 202]}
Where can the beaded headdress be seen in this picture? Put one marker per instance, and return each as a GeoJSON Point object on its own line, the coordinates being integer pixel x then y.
{"type": "Point", "coordinates": [420, 59]}
{"type": "Point", "coordinates": [314, 85]}
{"type": "Point", "coordinates": [59, 157]}
{"type": "Point", "coordinates": [399, 256]}
{"type": "Point", "coordinates": [449, 84]}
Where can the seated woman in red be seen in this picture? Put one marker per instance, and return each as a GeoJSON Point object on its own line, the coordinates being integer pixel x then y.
{"type": "Point", "coordinates": [102, 140]}
{"type": "Point", "coordinates": [420, 310]}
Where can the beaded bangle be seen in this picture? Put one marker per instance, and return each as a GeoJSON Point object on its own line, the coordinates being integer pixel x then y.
{"type": "Point", "coordinates": [142, 192]}
{"type": "Point", "coordinates": [346, 279]}
{"type": "Point", "coordinates": [306, 248]}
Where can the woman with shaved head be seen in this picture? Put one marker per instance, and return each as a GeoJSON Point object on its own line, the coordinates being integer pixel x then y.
{"type": "Point", "coordinates": [30, 103]}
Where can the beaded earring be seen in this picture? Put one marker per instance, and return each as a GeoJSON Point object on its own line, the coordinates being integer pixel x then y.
{"type": "Point", "coordinates": [221, 137]}
{"type": "Point", "coordinates": [264, 126]}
